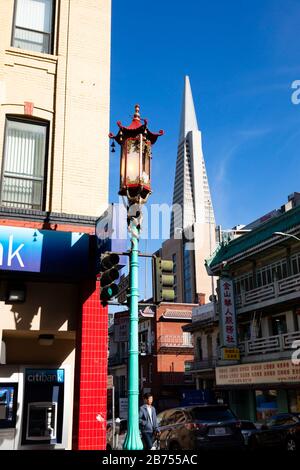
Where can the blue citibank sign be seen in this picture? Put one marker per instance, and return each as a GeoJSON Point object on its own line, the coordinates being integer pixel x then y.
{"type": "Point", "coordinates": [43, 251]}
{"type": "Point", "coordinates": [20, 249]}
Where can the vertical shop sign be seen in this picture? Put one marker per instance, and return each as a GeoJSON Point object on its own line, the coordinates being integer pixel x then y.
{"type": "Point", "coordinates": [227, 314]}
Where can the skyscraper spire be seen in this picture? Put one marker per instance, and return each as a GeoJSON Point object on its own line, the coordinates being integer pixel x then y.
{"type": "Point", "coordinates": [188, 115]}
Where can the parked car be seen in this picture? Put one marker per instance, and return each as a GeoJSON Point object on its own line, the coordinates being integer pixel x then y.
{"type": "Point", "coordinates": [120, 434]}
{"type": "Point", "coordinates": [281, 431]}
{"type": "Point", "coordinates": [199, 427]}
{"type": "Point", "coordinates": [248, 428]}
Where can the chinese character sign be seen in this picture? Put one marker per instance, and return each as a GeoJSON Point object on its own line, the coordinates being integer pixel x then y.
{"type": "Point", "coordinates": [227, 314]}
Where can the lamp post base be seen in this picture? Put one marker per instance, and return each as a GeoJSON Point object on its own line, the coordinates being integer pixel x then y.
{"type": "Point", "coordinates": [133, 440]}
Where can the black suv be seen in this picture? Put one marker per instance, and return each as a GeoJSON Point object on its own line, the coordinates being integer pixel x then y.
{"type": "Point", "coordinates": [200, 427]}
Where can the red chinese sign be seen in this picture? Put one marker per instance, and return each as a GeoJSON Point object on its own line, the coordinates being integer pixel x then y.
{"type": "Point", "coordinates": [227, 314]}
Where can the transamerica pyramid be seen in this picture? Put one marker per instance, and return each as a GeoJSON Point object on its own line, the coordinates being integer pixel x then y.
{"type": "Point", "coordinates": [191, 190]}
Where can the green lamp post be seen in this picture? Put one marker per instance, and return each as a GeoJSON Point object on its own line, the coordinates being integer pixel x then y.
{"type": "Point", "coordinates": [135, 183]}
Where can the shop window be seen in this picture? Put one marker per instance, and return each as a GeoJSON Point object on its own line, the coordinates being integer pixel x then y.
{"type": "Point", "coordinates": [266, 404]}
{"type": "Point", "coordinates": [23, 174]}
{"type": "Point", "coordinates": [33, 25]}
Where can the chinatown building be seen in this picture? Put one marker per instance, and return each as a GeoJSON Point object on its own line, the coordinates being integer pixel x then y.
{"type": "Point", "coordinates": [259, 315]}
{"type": "Point", "coordinates": [54, 116]}
{"type": "Point", "coordinates": [164, 349]}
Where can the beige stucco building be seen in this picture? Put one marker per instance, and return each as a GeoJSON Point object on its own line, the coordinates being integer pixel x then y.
{"type": "Point", "coordinates": [67, 87]}
{"type": "Point", "coordinates": [54, 125]}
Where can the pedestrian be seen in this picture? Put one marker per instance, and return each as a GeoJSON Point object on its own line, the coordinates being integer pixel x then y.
{"type": "Point", "coordinates": [148, 421]}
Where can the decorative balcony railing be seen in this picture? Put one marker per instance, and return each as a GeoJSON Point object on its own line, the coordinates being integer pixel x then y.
{"type": "Point", "coordinates": [271, 344]}
{"type": "Point", "coordinates": [175, 341]}
{"type": "Point", "coordinates": [273, 291]}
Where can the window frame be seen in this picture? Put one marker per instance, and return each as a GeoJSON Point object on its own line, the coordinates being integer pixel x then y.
{"type": "Point", "coordinates": [32, 121]}
{"type": "Point", "coordinates": [51, 34]}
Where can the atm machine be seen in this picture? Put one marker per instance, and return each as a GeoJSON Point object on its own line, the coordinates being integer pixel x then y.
{"type": "Point", "coordinates": [43, 407]}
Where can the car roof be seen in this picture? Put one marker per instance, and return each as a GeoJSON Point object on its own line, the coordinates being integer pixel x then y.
{"type": "Point", "coordinates": [191, 407]}
{"type": "Point", "coordinates": [281, 415]}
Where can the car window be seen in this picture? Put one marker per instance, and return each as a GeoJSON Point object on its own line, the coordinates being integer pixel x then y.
{"type": "Point", "coordinates": [171, 419]}
{"type": "Point", "coordinates": [279, 420]}
{"type": "Point", "coordinates": [177, 418]}
{"type": "Point", "coordinates": [164, 418]}
{"type": "Point", "coordinates": [212, 414]}
{"type": "Point", "coordinates": [160, 418]}
{"type": "Point", "coordinates": [285, 421]}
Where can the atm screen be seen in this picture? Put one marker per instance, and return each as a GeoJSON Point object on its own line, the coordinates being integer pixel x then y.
{"type": "Point", "coordinates": [4, 396]}
{"type": "Point", "coordinates": [8, 404]}
{"type": "Point", "coordinates": [41, 422]}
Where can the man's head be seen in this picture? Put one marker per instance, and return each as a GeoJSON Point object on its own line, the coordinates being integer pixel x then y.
{"type": "Point", "coordinates": [148, 398]}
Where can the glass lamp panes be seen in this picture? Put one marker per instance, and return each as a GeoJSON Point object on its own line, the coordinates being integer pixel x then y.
{"type": "Point", "coordinates": [133, 161]}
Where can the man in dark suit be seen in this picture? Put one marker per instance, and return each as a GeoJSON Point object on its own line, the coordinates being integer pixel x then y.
{"type": "Point", "coordinates": [148, 421]}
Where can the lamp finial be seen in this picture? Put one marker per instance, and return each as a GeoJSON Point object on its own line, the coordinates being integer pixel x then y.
{"type": "Point", "coordinates": [137, 116]}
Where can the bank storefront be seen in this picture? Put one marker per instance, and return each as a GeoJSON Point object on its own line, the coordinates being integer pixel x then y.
{"type": "Point", "coordinates": [259, 390]}
{"type": "Point", "coordinates": [47, 285]}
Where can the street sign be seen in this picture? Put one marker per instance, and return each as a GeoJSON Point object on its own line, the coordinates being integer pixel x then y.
{"type": "Point", "coordinates": [110, 381]}
{"type": "Point", "coordinates": [123, 408]}
{"type": "Point", "coordinates": [123, 289]}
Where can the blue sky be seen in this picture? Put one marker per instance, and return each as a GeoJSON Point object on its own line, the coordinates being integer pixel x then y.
{"type": "Point", "coordinates": [242, 58]}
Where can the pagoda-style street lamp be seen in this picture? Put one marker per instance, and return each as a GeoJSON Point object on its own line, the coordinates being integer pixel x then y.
{"type": "Point", "coordinates": [135, 184]}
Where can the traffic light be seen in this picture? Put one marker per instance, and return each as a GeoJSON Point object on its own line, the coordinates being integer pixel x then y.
{"type": "Point", "coordinates": [109, 267]}
{"type": "Point", "coordinates": [163, 280]}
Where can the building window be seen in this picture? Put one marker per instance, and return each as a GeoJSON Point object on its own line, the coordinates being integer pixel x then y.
{"type": "Point", "coordinates": [187, 339]}
{"type": "Point", "coordinates": [279, 325]}
{"type": "Point", "coordinates": [199, 354]}
{"type": "Point", "coordinates": [23, 172]}
{"type": "Point", "coordinates": [245, 331]}
{"type": "Point", "coordinates": [33, 25]}
{"type": "Point", "coordinates": [295, 264]}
